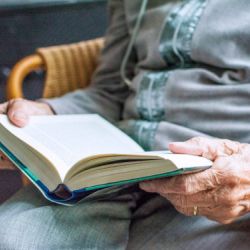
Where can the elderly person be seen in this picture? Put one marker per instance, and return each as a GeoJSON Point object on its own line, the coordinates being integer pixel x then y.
{"type": "Point", "coordinates": [170, 71]}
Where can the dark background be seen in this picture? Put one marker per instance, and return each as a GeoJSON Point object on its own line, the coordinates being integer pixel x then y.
{"type": "Point", "coordinates": [27, 25]}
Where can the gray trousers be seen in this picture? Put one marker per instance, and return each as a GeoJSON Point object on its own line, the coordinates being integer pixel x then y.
{"type": "Point", "coordinates": [125, 219]}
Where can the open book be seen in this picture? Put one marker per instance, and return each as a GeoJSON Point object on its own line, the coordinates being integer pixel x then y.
{"type": "Point", "coordinates": [69, 156]}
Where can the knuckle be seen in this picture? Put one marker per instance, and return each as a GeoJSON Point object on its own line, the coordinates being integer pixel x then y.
{"type": "Point", "coordinates": [231, 147]}
{"type": "Point", "coordinates": [223, 168]}
{"type": "Point", "coordinates": [196, 140]}
{"type": "Point", "coordinates": [227, 143]}
{"type": "Point", "coordinates": [245, 208]}
{"type": "Point", "coordinates": [220, 162]}
{"type": "Point", "coordinates": [230, 198]}
{"type": "Point", "coordinates": [232, 213]}
{"type": "Point", "coordinates": [214, 178]}
{"type": "Point", "coordinates": [209, 151]}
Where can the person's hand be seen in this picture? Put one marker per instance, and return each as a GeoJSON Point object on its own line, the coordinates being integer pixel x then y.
{"type": "Point", "coordinates": [221, 193]}
{"type": "Point", "coordinates": [5, 163]}
{"type": "Point", "coordinates": [18, 111]}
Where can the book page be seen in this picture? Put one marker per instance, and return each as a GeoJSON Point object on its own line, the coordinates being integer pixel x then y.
{"type": "Point", "coordinates": [182, 161]}
{"type": "Point", "coordinates": [70, 138]}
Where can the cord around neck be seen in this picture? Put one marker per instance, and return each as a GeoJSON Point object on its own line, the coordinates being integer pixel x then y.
{"type": "Point", "coordinates": [131, 43]}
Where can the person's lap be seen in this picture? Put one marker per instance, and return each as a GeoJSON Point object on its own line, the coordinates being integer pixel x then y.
{"type": "Point", "coordinates": [134, 220]}
{"type": "Point", "coordinates": [28, 221]}
{"type": "Point", "coordinates": [157, 225]}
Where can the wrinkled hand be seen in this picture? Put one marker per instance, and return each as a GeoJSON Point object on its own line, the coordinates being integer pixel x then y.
{"type": "Point", "coordinates": [221, 193]}
{"type": "Point", "coordinates": [18, 111]}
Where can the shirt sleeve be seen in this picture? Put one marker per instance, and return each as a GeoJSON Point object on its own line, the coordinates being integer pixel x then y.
{"type": "Point", "coordinates": [107, 92]}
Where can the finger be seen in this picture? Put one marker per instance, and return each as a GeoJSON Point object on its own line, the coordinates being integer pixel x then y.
{"type": "Point", "coordinates": [5, 163]}
{"type": "Point", "coordinates": [185, 148]}
{"type": "Point", "coordinates": [18, 112]}
{"type": "Point", "coordinates": [183, 184]}
{"type": "Point", "coordinates": [220, 214]}
{"type": "Point", "coordinates": [206, 147]}
{"type": "Point", "coordinates": [225, 196]}
{"type": "Point", "coordinates": [194, 146]}
{"type": "Point", "coordinates": [201, 199]}
{"type": "Point", "coordinates": [224, 215]}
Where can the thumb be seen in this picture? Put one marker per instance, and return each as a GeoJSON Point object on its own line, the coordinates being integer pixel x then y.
{"type": "Point", "coordinates": [18, 113]}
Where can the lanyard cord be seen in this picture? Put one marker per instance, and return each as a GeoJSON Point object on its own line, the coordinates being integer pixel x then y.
{"type": "Point", "coordinates": [131, 43]}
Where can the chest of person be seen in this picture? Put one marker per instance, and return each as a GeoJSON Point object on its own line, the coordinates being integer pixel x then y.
{"type": "Point", "coordinates": [180, 33]}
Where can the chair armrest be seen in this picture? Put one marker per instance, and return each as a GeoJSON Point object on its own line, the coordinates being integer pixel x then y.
{"type": "Point", "coordinates": [68, 67]}
{"type": "Point", "coordinates": [17, 75]}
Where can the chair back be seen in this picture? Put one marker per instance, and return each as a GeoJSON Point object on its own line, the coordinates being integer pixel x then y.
{"type": "Point", "coordinates": [69, 67]}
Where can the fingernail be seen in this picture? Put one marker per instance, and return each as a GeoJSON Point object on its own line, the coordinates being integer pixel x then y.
{"type": "Point", "coordinates": [20, 116]}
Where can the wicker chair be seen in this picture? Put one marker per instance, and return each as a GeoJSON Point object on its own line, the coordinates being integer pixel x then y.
{"type": "Point", "coordinates": [68, 67]}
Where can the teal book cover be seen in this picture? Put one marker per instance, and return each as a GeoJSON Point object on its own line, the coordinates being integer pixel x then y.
{"type": "Point", "coordinates": [62, 195]}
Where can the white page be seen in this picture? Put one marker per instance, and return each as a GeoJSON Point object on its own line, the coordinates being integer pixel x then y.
{"type": "Point", "coordinates": [183, 160]}
{"type": "Point", "coordinates": [66, 139]}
